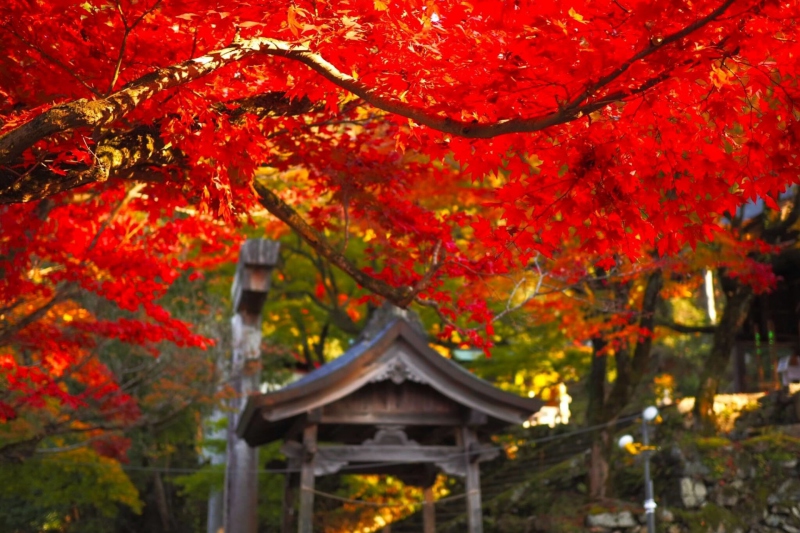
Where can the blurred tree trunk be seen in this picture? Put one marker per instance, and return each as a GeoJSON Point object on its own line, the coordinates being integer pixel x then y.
{"type": "Point", "coordinates": [605, 407]}
{"type": "Point", "coordinates": [739, 297]}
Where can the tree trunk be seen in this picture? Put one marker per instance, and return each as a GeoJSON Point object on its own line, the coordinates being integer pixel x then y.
{"type": "Point", "coordinates": [598, 465]}
{"type": "Point", "coordinates": [598, 460]}
{"type": "Point", "coordinates": [161, 501]}
{"type": "Point", "coordinates": [739, 298]}
{"type": "Point", "coordinates": [604, 408]}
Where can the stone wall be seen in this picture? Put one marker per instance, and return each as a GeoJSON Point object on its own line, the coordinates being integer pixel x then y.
{"type": "Point", "coordinates": [720, 486]}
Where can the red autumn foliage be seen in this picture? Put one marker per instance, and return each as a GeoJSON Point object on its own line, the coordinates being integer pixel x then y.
{"type": "Point", "coordinates": [467, 137]}
{"type": "Point", "coordinates": [80, 270]}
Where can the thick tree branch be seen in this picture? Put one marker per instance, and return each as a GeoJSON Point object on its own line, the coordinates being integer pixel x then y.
{"type": "Point", "coordinates": [104, 111]}
{"type": "Point", "coordinates": [576, 108]}
{"type": "Point", "coordinates": [125, 154]}
{"type": "Point", "coordinates": [683, 328]}
{"type": "Point", "coordinates": [271, 104]}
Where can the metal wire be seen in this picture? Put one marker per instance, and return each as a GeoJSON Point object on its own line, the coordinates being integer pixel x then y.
{"type": "Point", "coordinates": [357, 466]}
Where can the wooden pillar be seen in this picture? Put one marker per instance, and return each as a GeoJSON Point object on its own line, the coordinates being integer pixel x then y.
{"type": "Point", "coordinates": [306, 515]}
{"type": "Point", "coordinates": [214, 517]}
{"type": "Point", "coordinates": [241, 469]}
{"type": "Point", "coordinates": [290, 480]}
{"type": "Point", "coordinates": [469, 442]}
{"type": "Point", "coordinates": [257, 258]}
{"type": "Point", "coordinates": [428, 512]}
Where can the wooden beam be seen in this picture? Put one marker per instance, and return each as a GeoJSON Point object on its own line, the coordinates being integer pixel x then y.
{"type": "Point", "coordinates": [476, 418]}
{"type": "Point", "coordinates": [451, 459]}
{"type": "Point", "coordinates": [290, 482]}
{"type": "Point", "coordinates": [389, 453]}
{"type": "Point", "coordinates": [392, 419]}
{"type": "Point", "coordinates": [296, 429]}
{"type": "Point", "coordinates": [306, 515]}
{"type": "Point", "coordinates": [469, 441]}
{"type": "Point", "coordinates": [428, 512]}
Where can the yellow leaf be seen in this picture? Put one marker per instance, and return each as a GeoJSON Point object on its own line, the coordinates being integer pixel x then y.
{"type": "Point", "coordinates": [294, 25]}
{"type": "Point", "coordinates": [719, 77]}
{"type": "Point", "coordinates": [574, 14]}
{"type": "Point", "coordinates": [380, 5]}
{"type": "Point", "coordinates": [350, 22]}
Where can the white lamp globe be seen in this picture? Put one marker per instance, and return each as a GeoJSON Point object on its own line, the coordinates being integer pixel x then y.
{"type": "Point", "coordinates": [650, 413]}
{"type": "Point", "coordinates": [625, 441]}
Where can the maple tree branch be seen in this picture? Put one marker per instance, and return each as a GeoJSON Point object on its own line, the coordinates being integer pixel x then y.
{"type": "Point", "coordinates": [285, 213]}
{"type": "Point", "coordinates": [103, 111]}
{"type": "Point", "coordinates": [122, 47]}
{"type": "Point", "coordinates": [7, 332]}
{"type": "Point", "coordinates": [270, 104]}
{"type": "Point", "coordinates": [56, 62]}
{"type": "Point", "coordinates": [536, 293]}
{"type": "Point", "coordinates": [127, 31]}
{"type": "Point", "coordinates": [83, 113]}
{"type": "Point", "coordinates": [112, 155]}
{"type": "Point", "coordinates": [685, 328]}
{"type": "Point", "coordinates": [436, 306]}
{"type": "Point", "coordinates": [121, 154]}
{"type": "Point", "coordinates": [435, 264]}
{"type": "Point", "coordinates": [652, 48]}
{"type": "Point", "coordinates": [571, 111]}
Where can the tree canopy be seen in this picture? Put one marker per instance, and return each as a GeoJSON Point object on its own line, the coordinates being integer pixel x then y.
{"type": "Point", "coordinates": [624, 124]}
{"type": "Point", "coordinates": [424, 149]}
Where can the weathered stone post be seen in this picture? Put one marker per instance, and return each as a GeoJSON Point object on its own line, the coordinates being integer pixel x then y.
{"type": "Point", "coordinates": [257, 259]}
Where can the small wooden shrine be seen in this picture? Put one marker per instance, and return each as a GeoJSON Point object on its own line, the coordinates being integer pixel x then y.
{"type": "Point", "coordinates": [389, 405]}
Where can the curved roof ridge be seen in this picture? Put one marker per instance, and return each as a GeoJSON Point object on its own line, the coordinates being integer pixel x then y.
{"type": "Point", "coordinates": [365, 360]}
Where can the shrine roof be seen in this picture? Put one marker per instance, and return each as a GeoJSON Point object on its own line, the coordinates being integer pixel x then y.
{"type": "Point", "coordinates": [397, 353]}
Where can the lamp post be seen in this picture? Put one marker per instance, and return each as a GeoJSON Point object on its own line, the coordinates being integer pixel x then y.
{"type": "Point", "coordinates": [626, 443]}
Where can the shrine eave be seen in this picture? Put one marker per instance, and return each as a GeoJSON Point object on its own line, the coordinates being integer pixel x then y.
{"type": "Point", "coordinates": [397, 353]}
